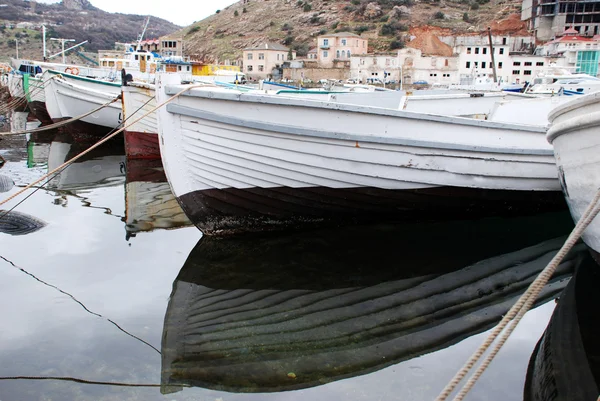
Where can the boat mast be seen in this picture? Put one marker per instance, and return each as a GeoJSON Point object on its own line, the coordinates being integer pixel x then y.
{"type": "Point", "coordinates": [492, 54]}
{"type": "Point", "coordinates": [141, 36]}
{"type": "Point", "coordinates": [44, 42]}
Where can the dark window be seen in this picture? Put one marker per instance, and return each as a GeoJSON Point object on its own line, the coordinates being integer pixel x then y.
{"type": "Point", "coordinates": [483, 64]}
{"type": "Point", "coordinates": [516, 72]}
{"type": "Point", "coordinates": [539, 64]}
{"type": "Point", "coordinates": [527, 72]}
{"type": "Point", "coordinates": [500, 65]}
{"type": "Point", "coordinates": [527, 63]}
{"type": "Point", "coordinates": [468, 64]}
{"type": "Point", "coordinates": [502, 50]}
{"type": "Point", "coordinates": [477, 50]}
{"type": "Point", "coordinates": [517, 63]}
{"type": "Point", "coordinates": [485, 50]}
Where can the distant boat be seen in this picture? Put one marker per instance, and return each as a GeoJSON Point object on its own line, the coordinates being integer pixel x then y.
{"type": "Point", "coordinates": [149, 202]}
{"type": "Point", "coordinates": [574, 136]}
{"type": "Point", "coordinates": [250, 162]}
{"type": "Point", "coordinates": [565, 364]}
{"type": "Point", "coordinates": [279, 312]}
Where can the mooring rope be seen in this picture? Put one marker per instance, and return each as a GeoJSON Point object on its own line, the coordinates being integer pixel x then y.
{"type": "Point", "coordinates": [518, 310]}
{"type": "Point", "coordinates": [94, 146]}
{"type": "Point", "coordinates": [61, 123]}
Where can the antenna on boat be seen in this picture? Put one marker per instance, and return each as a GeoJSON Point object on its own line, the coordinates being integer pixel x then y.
{"type": "Point", "coordinates": [141, 35]}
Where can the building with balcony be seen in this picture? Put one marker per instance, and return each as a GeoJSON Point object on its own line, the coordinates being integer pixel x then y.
{"type": "Point", "coordinates": [581, 54]}
{"type": "Point", "coordinates": [339, 46]}
{"type": "Point", "coordinates": [171, 46]}
{"type": "Point", "coordinates": [260, 61]}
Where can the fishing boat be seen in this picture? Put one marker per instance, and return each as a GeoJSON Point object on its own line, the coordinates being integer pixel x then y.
{"type": "Point", "coordinates": [141, 137]}
{"type": "Point", "coordinates": [574, 136]}
{"type": "Point", "coordinates": [69, 96]}
{"type": "Point", "coordinates": [274, 312]}
{"type": "Point", "coordinates": [568, 84]}
{"type": "Point", "coordinates": [250, 162]}
{"type": "Point", "coordinates": [149, 202]}
{"type": "Point", "coordinates": [33, 87]}
{"type": "Point", "coordinates": [565, 364]}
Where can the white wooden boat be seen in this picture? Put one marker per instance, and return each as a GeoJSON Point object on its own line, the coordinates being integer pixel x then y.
{"type": "Point", "coordinates": [36, 97]}
{"type": "Point", "coordinates": [246, 311]}
{"type": "Point", "coordinates": [574, 136]}
{"type": "Point", "coordinates": [141, 138]}
{"type": "Point", "coordinates": [15, 85]}
{"type": "Point", "coordinates": [72, 96]}
{"type": "Point", "coordinates": [149, 202]}
{"type": "Point", "coordinates": [245, 162]}
{"type": "Point", "coordinates": [568, 84]}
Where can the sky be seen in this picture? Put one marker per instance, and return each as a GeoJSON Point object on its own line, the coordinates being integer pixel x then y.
{"type": "Point", "coordinates": [180, 12]}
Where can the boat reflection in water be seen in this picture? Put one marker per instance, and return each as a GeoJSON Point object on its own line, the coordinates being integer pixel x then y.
{"type": "Point", "coordinates": [277, 312]}
{"type": "Point", "coordinates": [149, 202]}
{"type": "Point", "coordinates": [565, 364]}
{"type": "Point", "coordinates": [103, 166]}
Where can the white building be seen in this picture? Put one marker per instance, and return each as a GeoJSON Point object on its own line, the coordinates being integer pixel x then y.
{"type": "Point", "coordinates": [374, 66]}
{"type": "Point", "coordinates": [579, 53]}
{"type": "Point", "coordinates": [432, 69]}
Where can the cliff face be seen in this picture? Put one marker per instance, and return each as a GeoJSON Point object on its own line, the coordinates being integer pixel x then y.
{"type": "Point", "coordinates": [72, 19]}
{"type": "Point", "coordinates": [297, 23]}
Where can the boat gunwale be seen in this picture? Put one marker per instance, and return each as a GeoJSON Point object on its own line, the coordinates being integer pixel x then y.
{"type": "Point", "coordinates": [319, 104]}
{"type": "Point", "coordinates": [77, 77]}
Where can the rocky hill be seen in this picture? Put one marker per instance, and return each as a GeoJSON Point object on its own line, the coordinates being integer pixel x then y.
{"type": "Point", "coordinates": [389, 24]}
{"type": "Point", "coordinates": [71, 19]}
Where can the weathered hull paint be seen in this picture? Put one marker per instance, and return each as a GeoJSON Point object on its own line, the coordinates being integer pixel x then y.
{"type": "Point", "coordinates": [230, 211]}
{"type": "Point", "coordinates": [39, 111]}
{"type": "Point", "coordinates": [141, 145]}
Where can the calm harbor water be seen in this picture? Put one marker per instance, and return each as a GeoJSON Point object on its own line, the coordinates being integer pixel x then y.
{"type": "Point", "coordinates": [115, 286]}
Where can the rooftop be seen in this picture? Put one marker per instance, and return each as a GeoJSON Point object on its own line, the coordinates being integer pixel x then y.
{"type": "Point", "coordinates": [269, 46]}
{"type": "Point", "coordinates": [340, 35]}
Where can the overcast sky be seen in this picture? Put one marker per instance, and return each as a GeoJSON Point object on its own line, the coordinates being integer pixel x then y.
{"type": "Point", "coordinates": [180, 12]}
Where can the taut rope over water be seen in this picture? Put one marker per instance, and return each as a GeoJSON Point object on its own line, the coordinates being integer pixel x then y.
{"type": "Point", "coordinates": [105, 139]}
{"type": "Point", "coordinates": [518, 310]}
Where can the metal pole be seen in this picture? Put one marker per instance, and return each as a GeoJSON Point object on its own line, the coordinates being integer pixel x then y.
{"type": "Point", "coordinates": [401, 78]}
{"type": "Point", "coordinates": [17, 44]}
{"type": "Point", "coordinates": [44, 41]}
{"type": "Point", "coordinates": [492, 54]}
{"type": "Point", "coordinates": [63, 51]}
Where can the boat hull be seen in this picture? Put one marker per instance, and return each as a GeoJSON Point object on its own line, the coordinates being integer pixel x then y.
{"type": "Point", "coordinates": [240, 162]}
{"type": "Point", "coordinates": [141, 137]}
{"type": "Point", "coordinates": [66, 100]}
{"type": "Point", "coordinates": [574, 135]}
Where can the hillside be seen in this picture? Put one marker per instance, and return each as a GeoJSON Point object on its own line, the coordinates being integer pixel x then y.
{"type": "Point", "coordinates": [389, 24]}
{"type": "Point", "coordinates": [71, 19]}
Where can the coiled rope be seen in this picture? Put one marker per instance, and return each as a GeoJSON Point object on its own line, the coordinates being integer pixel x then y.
{"type": "Point", "coordinates": [105, 139]}
{"type": "Point", "coordinates": [518, 310]}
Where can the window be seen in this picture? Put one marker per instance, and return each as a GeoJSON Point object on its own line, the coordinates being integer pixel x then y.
{"type": "Point", "coordinates": [249, 68]}
{"type": "Point", "coordinates": [468, 64]}
{"type": "Point", "coordinates": [485, 50]}
{"type": "Point", "coordinates": [517, 63]}
{"type": "Point", "coordinates": [539, 64]}
{"type": "Point", "coordinates": [483, 64]}
{"type": "Point", "coordinates": [433, 75]}
{"type": "Point", "coordinates": [477, 50]}
{"type": "Point", "coordinates": [468, 50]}
{"type": "Point", "coordinates": [446, 63]}
{"type": "Point", "coordinates": [325, 42]}
{"type": "Point", "coordinates": [277, 57]}
{"type": "Point", "coordinates": [527, 72]}
{"type": "Point", "coordinates": [348, 53]}
{"type": "Point", "coordinates": [261, 56]}
{"type": "Point", "coordinates": [500, 65]}
{"type": "Point", "coordinates": [261, 68]}
{"type": "Point", "coordinates": [337, 54]}
{"type": "Point", "coordinates": [325, 54]}
{"type": "Point", "coordinates": [503, 41]}
{"type": "Point", "coordinates": [502, 49]}
{"type": "Point", "coordinates": [343, 42]}
{"type": "Point", "coordinates": [137, 57]}
{"type": "Point", "coordinates": [527, 64]}
{"type": "Point", "coordinates": [476, 64]}
{"type": "Point", "coordinates": [249, 56]}
{"type": "Point", "coordinates": [516, 72]}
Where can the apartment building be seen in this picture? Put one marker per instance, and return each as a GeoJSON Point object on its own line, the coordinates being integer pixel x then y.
{"type": "Point", "coordinates": [339, 46]}
{"type": "Point", "coordinates": [260, 61]}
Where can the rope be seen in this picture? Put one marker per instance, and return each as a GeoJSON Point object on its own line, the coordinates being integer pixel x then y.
{"type": "Point", "coordinates": [96, 145]}
{"type": "Point", "coordinates": [61, 123]}
{"type": "Point", "coordinates": [76, 380]}
{"type": "Point", "coordinates": [518, 310]}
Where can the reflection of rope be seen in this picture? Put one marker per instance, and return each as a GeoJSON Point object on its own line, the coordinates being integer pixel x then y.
{"type": "Point", "coordinates": [62, 123]}
{"type": "Point", "coordinates": [516, 313]}
{"type": "Point", "coordinates": [68, 162]}
{"type": "Point", "coordinates": [76, 380]}
{"type": "Point", "coordinates": [80, 303]}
